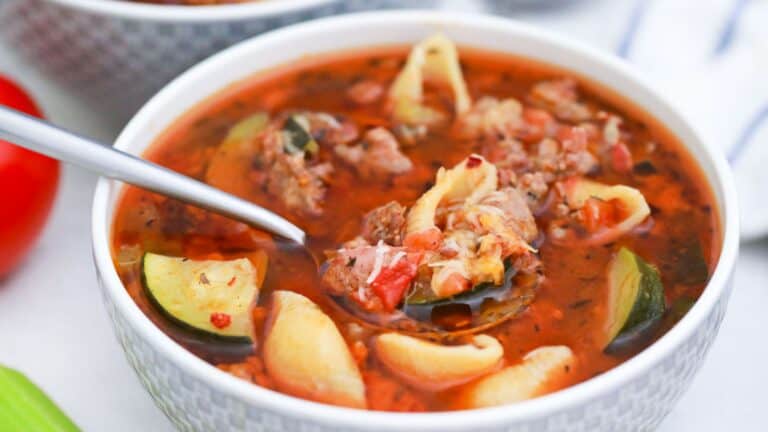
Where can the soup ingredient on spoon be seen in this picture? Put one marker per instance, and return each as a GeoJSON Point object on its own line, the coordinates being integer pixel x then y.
{"type": "Point", "coordinates": [29, 182]}
{"type": "Point", "coordinates": [456, 236]}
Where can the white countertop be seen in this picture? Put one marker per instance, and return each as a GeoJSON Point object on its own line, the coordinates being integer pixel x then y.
{"type": "Point", "coordinates": [53, 326]}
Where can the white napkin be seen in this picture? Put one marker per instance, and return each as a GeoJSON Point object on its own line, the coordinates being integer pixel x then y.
{"type": "Point", "coordinates": [711, 59]}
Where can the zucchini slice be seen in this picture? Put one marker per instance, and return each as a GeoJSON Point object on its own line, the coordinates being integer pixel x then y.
{"type": "Point", "coordinates": [213, 297]}
{"type": "Point", "coordinates": [234, 156]}
{"type": "Point", "coordinates": [636, 300]}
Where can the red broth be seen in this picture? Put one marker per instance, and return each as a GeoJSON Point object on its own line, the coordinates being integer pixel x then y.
{"type": "Point", "coordinates": [570, 305]}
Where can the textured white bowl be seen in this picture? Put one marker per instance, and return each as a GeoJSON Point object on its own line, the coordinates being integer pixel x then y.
{"type": "Point", "coordinates": [116, 54]}
{"type": "Point", "coordinates": [196, 396]}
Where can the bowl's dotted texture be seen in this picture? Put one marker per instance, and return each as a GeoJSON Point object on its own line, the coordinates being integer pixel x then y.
{"type": "Point", "coordinates": [117, 63]}
{"type": "Point", "coordinates": [193, 405]}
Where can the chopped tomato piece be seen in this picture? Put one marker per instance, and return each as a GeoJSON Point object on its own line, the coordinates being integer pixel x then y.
{"type": "Point", "coordinates": [454, 284]}
{"type": "Point", "coordinates": [598, 213]}
{"type": "Point", "coordinates": [621, 158]}
{"type": "Point", "coordinates": [536, 123]}
{"type": "Point", "coordinates": [393, 281]}
{"type": "Point", "coordinates": [426, 240]}
{"type": "Point", "coordinates": [573, 138]}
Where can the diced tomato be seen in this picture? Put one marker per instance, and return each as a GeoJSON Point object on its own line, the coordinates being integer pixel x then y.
{"type": "Point", "coordinates": [454, 284]}
{"type": "Point", "coordinates": [599, 214]}
{"type": "Point", "coordinates": [621, 158]}
{"type": "Point", "coordinates": [426, 240]}
{"type": "Point", "coordinates": [536, 123]}
{"type": "Point", "coordinates": [393, 281]}
{"type": "Point", "coordinates": [220, 320]}
{"type": "Point", "coordinates": [573, 138]}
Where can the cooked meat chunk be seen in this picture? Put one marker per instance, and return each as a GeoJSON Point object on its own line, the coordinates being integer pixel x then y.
{"type": "Point", "coordinates": [516, 213]}
{"type": "Point", "coordinates": [292, 177]}
{"type": "Point", "coordinates": [377, 155]}
{"type": "Point", "coordinates": [566, 157]}
{"type": "Point", "coordinates": [510, 157]}
{"type": "Point", "coordinates": [385, 223]}
{"type": "Point", "coordinates": [491, 117]}
{"type": "Point", "coordinates": [561, 98]}
{"type": "Point", "coordinates": [365, 92]}
{"type": "Point", "coordinates": [298, 186]}
{"type": "Point", "coordinates": [330, 130]}
{"type": "Point", "coordinates": [374, 277]}
{"type": "Point", "coordinates": [498, 120]}
{"type": "Point", "coordinates": [534, 187]}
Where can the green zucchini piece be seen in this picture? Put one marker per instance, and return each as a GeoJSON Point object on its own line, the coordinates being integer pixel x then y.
{"type": "Point", "coordinates": [24, 407]}
{"type": "Point", "coordinates": [213, 297]}
{"type": "Point", "coordinates": [636, 300]}
{"type": "Point", "coordinates": [234, 156]}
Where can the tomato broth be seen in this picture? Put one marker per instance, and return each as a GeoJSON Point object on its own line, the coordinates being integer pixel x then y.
{"type": "Point", "coordinates": [680, 237]}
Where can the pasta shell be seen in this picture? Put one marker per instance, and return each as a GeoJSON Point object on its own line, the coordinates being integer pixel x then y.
{"type": "Point", "coordinates": [306, 356]}
{"type": "Point", "coordinates": [536, 375]}
{"type": "Point", "coordinates": [468, 181]}
{"type": "Point", "coordinates": [578, 191]}
{"type": "Point", "coordinates": [434, 59]}
{"type": "Point", "coordinates": [430, 366]}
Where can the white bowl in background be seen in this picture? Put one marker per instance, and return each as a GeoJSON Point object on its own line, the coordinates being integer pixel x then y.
{"type": "Point", "coordinates": [196, 396]}
{"type": "Point", "coordinates": [116, 54]}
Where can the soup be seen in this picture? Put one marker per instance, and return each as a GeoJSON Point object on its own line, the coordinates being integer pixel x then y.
{"type": "Point", "coordinates": [482, 229]}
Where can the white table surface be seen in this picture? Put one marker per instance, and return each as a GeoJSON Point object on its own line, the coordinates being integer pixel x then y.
{"type": "Point", "coordinates": [53, 326]}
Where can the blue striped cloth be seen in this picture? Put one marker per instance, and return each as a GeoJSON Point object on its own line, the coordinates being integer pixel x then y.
{"type": "Point", "coordinates": [711, 59]}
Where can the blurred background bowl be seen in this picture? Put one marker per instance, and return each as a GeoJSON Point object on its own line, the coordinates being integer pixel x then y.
{"type": "Point", "coordinates": [116, 54]}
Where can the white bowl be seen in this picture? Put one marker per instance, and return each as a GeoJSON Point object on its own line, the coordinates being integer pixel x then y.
{"type": "Point", "coordinates": [634, 396]}
{"type": "Point", "coordinates": [116, 54]}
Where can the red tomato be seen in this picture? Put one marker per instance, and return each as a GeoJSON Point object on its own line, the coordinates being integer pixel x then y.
{"type": "Point", "coordinates": [28, 182]}
{"type": "Point", "coordinates": [599, 214]}
{"type": "Point", "coordinates": [390, 285]}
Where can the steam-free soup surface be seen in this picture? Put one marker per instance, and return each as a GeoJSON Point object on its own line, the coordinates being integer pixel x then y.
{"type": "Point", "coordinates": [567, 130]}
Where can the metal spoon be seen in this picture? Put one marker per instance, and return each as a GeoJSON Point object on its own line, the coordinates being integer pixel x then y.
{"type": "Point", "coordinates": [43, 137]}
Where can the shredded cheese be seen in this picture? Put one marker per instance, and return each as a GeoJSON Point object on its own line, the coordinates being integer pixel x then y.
{"type": "Point", "coordinates": [395, 259]}
{"type": "Point", "coordinates": [377, 263]}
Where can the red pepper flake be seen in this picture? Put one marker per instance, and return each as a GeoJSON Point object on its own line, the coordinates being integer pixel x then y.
{"type": "Point", "coordinates": [220, 320]}
{"type": "Point", "coordinates": [232, 281]}
{"type": "Point", "coordinates": [474, 161]}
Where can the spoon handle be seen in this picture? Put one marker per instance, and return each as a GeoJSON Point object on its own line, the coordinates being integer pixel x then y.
{"type": "Point", "coordinates": [42, 137]}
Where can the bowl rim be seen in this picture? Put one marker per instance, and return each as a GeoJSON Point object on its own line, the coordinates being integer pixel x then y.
{"type": "Point", "coordinates": [191, 14]}
{"type": "Point", "coordinates": [717, 289]}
